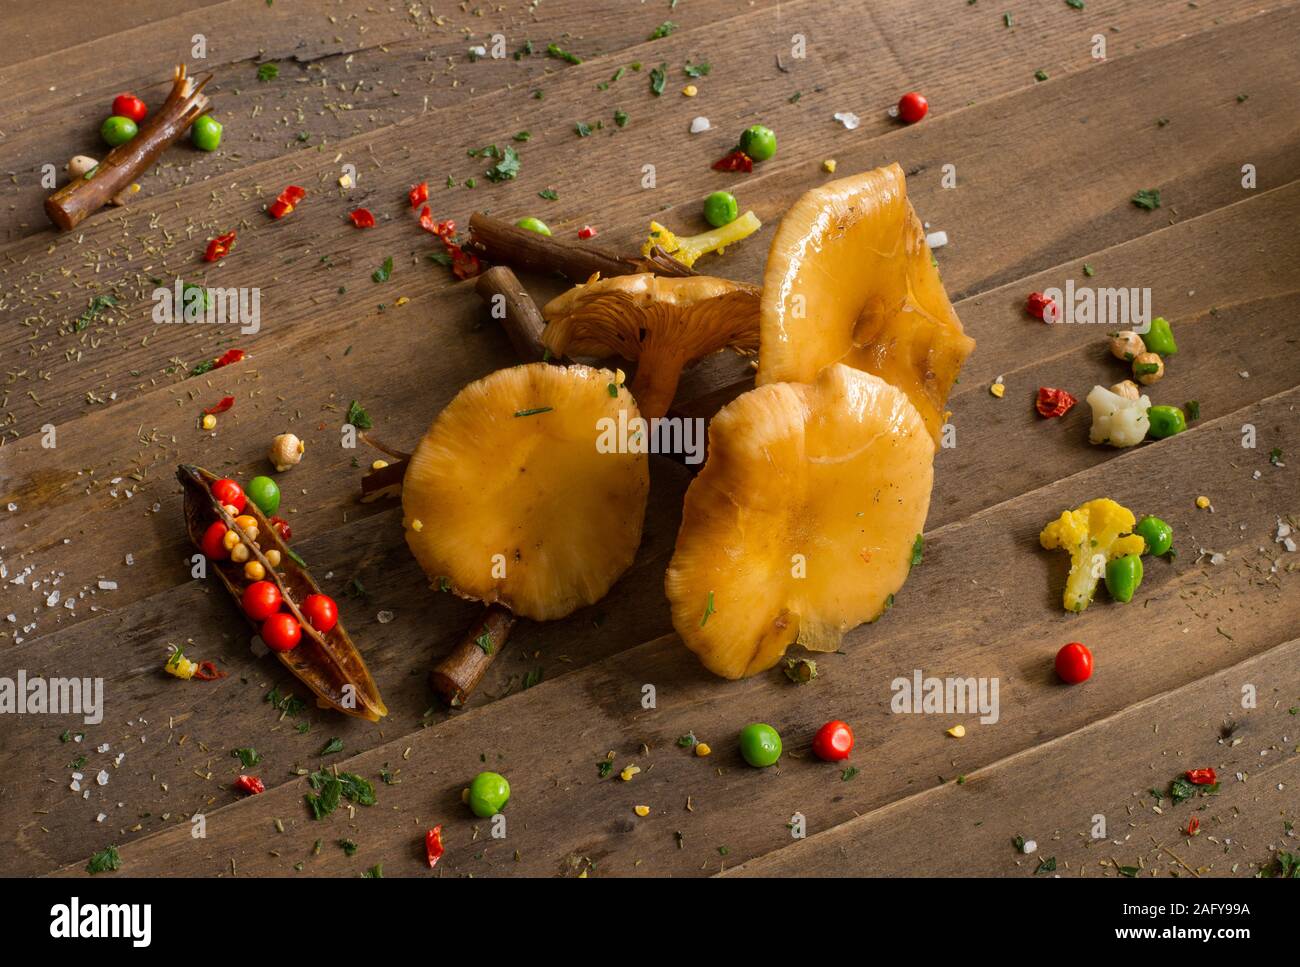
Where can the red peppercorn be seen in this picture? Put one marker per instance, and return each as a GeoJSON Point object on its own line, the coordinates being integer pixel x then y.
{"type": "Point", "coordinates": [282, 528]}
{"type": "Point", "coordinates": [212, 546]}
{"type": "Point", "coordinates": [912, 107]}
{"type": "Point", "coordinates": [320, 611]}
{"type": "Point", "coordinates": [229, 492]}
{"type": "Point", "coordinates": [129, 106]}
{"type": "Point", "coordinates": [261, 599]}
{"type": "Point", "coordinates": [1074, 663]}
{"type": "Point", "coordinates": [833, 741]}
{"type": "Point", "coordinates": [281, 631]}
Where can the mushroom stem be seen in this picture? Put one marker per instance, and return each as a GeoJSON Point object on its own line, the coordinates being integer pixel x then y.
{"type": "Point", "coordinates": [654, 387]}
{"type": "Point", "coordinates": [459, 672]}
{"type": "Point", "coordinates": [84, 196]}
{"type": "Point", "coordinates": [499, 241]}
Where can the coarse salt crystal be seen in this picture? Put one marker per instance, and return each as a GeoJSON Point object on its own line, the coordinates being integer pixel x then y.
{"type": "Point", "coordinates": [102, 778]}
{"type": "Point", "coordinates": [384, 617]}
{"type": "Point", "coordinates": [108, 585]}
{"type": "Point", "coordinates": [1031, 846]}
{"type": "Point", "coordinates": [697, 125]}
{"type": "Point", "coordinates": [130, 559]}
{"type": "Point", "coordinates": [937, 239]}
{"type": "Point", "coordinates": [848, 119]}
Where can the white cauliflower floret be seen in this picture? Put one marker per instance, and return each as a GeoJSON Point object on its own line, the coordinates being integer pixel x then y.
{"type": "Point", "coordinates": [1117, 420]}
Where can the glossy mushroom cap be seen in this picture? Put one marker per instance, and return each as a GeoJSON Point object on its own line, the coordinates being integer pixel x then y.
{"type": "Point", "coordinates": [850, 279]}
{"type": "Point", "coordinates": [510, 499]}
{"type": "Point", "coordinates": [803, 522]}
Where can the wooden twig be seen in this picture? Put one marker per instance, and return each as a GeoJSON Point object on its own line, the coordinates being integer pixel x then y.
{"type": "Point", "coordinates": [459, 672]}
{"type": "Point", "coordinates": [511, 305]}
{"type": "Point", "coordinates": [502, 243]}
{"type": "Point", "coordinates": [84, 196]}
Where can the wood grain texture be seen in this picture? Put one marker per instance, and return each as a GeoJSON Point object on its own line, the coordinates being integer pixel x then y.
{"type": "Point", "coordinates": [1045, 171]}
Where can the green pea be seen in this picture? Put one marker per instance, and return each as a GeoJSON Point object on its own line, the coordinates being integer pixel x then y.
{"type": "Point", "coordinates": [1123, 575]}
{"type": "Point", "coordinates": [720, 209]}
{"type": "Point", "coordinates": [488, 794]}
{"type": "Point", "coordinates": [533, 225]}
{"type": "Point", "coordinates": [117, 130]}
{"type": "Point", "coordinates": [759, 142]}
{"type": "Point", "coordinates": [760, 745]}
{"type": "Point", "coordinates": [1158, 535]}
{"type": "Point", "coordinates": [205, 133]}
{"type": "Point", "coordinates": [1160, 338]}
{"type": "Point", "coordinates": [264, 492]}
{"type": "Point", "coordinates": [1165, 421]}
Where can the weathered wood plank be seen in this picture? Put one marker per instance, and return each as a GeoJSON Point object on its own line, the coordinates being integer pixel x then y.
{"type": "Point", "coordinates": [1055, 792]}
{"type": "Point", "coordinates": [303, 305]}
{"type": "Point", "coordinates": [1000, 618]}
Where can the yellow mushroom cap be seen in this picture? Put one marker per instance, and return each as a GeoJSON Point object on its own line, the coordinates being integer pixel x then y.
{"type": "Point", "coordinates": [509, 498]}
{"type": "Point", "coordinates": [850, 279]}
{"type": "Point", "coordinates": [803, 521]}
{"type": "Point", "coordinates": [664, 324]}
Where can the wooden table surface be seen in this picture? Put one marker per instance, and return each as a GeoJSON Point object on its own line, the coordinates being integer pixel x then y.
{"type": "Point", "coordinates": [1048, 144]}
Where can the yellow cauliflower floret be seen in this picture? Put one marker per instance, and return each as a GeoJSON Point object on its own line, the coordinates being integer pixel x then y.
{"type": "Point", "coordinates": [686, 249]}
{"type": "Point", "coordinates": [1093, 533]}
{"type": "Point", "coordinates": [180, 666]}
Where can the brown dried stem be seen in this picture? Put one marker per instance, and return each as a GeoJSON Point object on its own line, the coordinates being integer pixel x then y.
{"type": "Point", "coordinates": [84, 196]}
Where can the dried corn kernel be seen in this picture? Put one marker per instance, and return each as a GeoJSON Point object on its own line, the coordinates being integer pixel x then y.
{"type": "Point", "coordinates": [246, 522]}
{"type": "Point", "coordinates": [1202, 502]}
{"type": "Point", "coordinates": [417, 525]}
{"type": "Point", "coordinates": [957, 731]}
{"type": "Point", "coordinates": [379, 465]}
{"type": "Point", "coordinates": [998, 389]}
{"type": "Point", "coordinates": [254, 571]}
{"type": "Point", "coordinates": [209, 422]}
{"type": "Point", "coordinates": [641, 810]}
{"type": "Point", "coordinates": [401, 301]}
{"type": "Point", "coordinates": [828, 166]}
{"type": "Point", "coordinates": [702, 749]}
{"type": "Point", "coordinates": [690, 90]}
{"type": "Point", "coordinates": [628, 772]}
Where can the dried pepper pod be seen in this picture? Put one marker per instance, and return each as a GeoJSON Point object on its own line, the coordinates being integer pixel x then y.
{"type": "Point", "coordinates": [329, 664]}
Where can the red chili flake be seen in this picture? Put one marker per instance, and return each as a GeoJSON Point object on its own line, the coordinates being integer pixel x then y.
{"type": "Point", "coordinates": [219, 247]}
{"type": "Point", "coordinates": [419, 194]}
{"type": "Point", "coordinates": [433, 848]}
{"type": "Point", "coordinates": [226, 403]}
{"type": "Point", "coordinates": [228, 357]}
{"type": "Point", "coordinates": [208, 672]}
{"type": "Point", "coordinates": [250, 784]}
{"type": "Point", "coordinates": [282, 528]}
{"type": "Point", "coordinates": [1201, 777]}
{"type": "Point", "coordinates": [1193, 825]}
{"type": "Point", "coordinates": [587, 232]}
{"type": "Point", "coordinates": [362, 218]}
{"type": "Point", "coordinates": [287, 201]}
{"type": "Point", "coordinates": [736, 161]}
{"type": "Point", "coordinates": [464, 265]}
{"type": "Point", "coordinates": [1041, 307]}
{"type": "Point", "coordinates": [1053, 402]}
